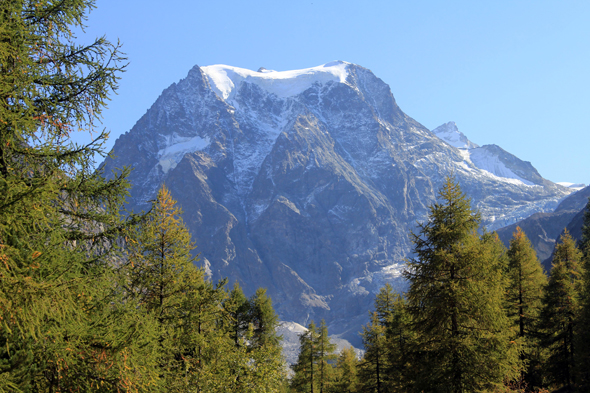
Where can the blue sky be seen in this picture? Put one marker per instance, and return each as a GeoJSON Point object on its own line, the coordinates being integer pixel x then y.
{"type": "Point", "coordinates": [511, 73]}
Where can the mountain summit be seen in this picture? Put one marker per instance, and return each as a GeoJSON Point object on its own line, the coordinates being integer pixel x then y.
{"type": "Point", "coordinates": [307, 182]}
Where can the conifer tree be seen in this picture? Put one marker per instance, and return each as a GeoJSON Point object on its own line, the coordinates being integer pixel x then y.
{"type": "Point", "coordinates": [162, 277]}
{"type": "Point", "coordinates": [560, 311]}
{"type": "Point", "coordinates": [264, 319]}
{"type": "Point", "coordinates": [526, 282]}
{"type": "Point", "coordinates": [375, 363]}
{"type": "Point", "coordinates": [387, 340]}
{"type": "Point", "coordinates": [266, 365]}
{"type": "Point", "coordinates": [455, 300]}
{"type": "Point", "coordinates": [237, 308]}
{"type": "Point", "coordinates": [61, 327]}
{"type": "Point", "coordinates": [399, 341]}
{"type": "Point", "coordinates": [313, 370]}
{"type": "Point", "coordinates": [325, 356]}
{"type": "Point", "coordinates": [305, 377]}
{"type": "Point", "coordinates": [582, 339]}
{"type": "Point", "coordinates": [346, 378]}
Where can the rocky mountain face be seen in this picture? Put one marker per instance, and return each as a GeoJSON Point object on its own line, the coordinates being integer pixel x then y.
{"type": "Point", "coordinates": [545, 229]}
{"type": "Point", "coordinates": [307, 182]}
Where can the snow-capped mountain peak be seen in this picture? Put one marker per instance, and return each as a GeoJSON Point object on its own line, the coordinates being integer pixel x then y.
{"type": "Point", "coordinates": [449, 133]}
{"type": "Point", "coordinates": [226, 79]}
{"type": "Point", "coordinates": [307, 182]}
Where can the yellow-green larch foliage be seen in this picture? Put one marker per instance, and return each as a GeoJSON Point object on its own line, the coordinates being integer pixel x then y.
{"type": "Point", "coordinates": [313, 370]}
{"type": "Point", "coordinates": [524, 293]}
{"type": "Point", "coordinates": [375, 365]}
{"type": "Point", "coordinates": [162, 267]}
{"type": "Point", "coordinates": [61, 325]}
{"type": "Point", "coordinates": [326, 356]}
{"type": "Point", "coordinates": [305, 378]}
{"type": "Point", "coordinates": [346, 373]}
{"type": "Point", "coordinates": [164, 282]}
{"type": "Point", "coordinates": [456, 300]}
{"type": "Point", "coordinates": [561, 307]}
{"type": "Point", "coordinates": [582, 334]}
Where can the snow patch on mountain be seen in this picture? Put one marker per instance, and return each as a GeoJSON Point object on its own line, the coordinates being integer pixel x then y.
{"type": "Point", "coordinates": [449, 133]}
{"type": "Point", "coordinates": [573, 186]}
{"type": "Point", "coordinates": [176, 148]}
{"type": "Point", "coordinates": [226, 79]}
{"type": "Point", "coordinates": [479, 157]}
{"type": "Point", "coordinates": [490, 162]}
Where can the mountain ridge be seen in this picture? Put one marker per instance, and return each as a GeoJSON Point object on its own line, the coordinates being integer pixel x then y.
{"type": "Point", "coordinates": [312, 194]}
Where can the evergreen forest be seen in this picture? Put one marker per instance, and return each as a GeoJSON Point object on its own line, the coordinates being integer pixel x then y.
{"type": "Point", "coordinates": [96, 298]}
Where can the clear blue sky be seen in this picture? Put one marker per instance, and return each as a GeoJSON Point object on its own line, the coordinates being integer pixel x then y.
{"type": "Point", "coordinates": [511, 73]}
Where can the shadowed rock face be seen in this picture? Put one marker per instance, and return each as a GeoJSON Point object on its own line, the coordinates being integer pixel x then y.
{"type": "Point", "coordinates": [545, 229]}
{"type": "Point", "coordinates": [310, 195]}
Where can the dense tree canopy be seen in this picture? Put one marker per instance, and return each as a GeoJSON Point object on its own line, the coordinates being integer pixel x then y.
{"type": "Point", "coordinates": [456, 300]}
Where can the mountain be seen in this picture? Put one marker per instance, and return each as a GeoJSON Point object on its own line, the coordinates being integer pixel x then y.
{"type": "Point", "coordinates": [490, 158]}
{"type": "Point", "coordinates": [544, 229]}
{"type": "Point", "coordinates": [307, 182]}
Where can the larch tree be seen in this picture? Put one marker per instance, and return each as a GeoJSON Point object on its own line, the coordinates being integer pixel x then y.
{"type": "Point", "coordinates": [561, 306]}
{"type": "Point", "coordinates": [266, 363]}
{"type": "Point", "coordinates": [305, 377]}
{"type": "Point", "coordinates": [526, 283]}
{"type": "Point", "coordinates": [161, 278]}
{"type": "Point", "coordinates": [346, 373]}
{"type": "Point", "coordinates": [456, 300]}
{"type": "Point", "coordinates": [237, 308]}
{"type": "Point", "coordinates": [374, 367]}
{"type": "Point", "coordinates": [399, 342]}
{"type": "Point", "coordinates": [325, 351]}
{"type": "Point", "coordinates": [61, 326]}
{"type": "Point", "coordinates": [313, 372]}
{"type": "Point", "coordinates": [582, 334]}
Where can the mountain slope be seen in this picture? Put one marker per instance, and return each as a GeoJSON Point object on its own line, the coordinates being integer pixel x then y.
{"type": "Point", "coordinates": [544, 229]}
{"type": "Point", "coordinates": [306, 182]}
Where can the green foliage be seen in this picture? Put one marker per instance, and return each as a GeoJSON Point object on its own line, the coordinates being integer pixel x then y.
{"type": "Point", "coordinates": [526, 282]}
{"type": "Point", "coordinates": [74, 315]}
{"type": "Point", "coordinates": [456, 300]}
{"type": "Point", "coordinates": [305, 377]}
{"type": "Point", "coordinates": [208, 340]}
{"type": "Point", "coordinates": [62, 323]}
{"type": "Point", "coordinates": [346, 373]}
{"type": "Point", "coordinates": [560, 310]}
{"type": "Point", "coordinates": [582, 339]}
{"type": "Point", "coordinates": [165, 284]}
{"type": "Point", "coordinates": [376, 363]}
{"type": "Point", "coordinates": [313, 370]}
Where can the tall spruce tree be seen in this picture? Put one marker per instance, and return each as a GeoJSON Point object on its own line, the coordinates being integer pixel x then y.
{"type": "Point", "coordinates": [61, 327]}
{"type": "Point", "coordinates": [526, 282]}
{"type": "Point", "coordinates": [456, 300]}
{"type": "Point", "coordinates": [561, 306]}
